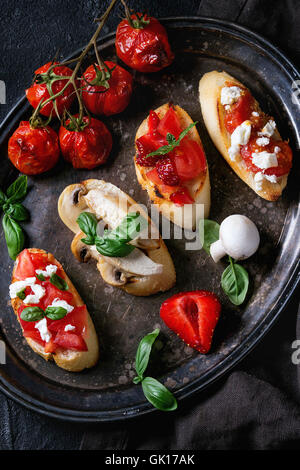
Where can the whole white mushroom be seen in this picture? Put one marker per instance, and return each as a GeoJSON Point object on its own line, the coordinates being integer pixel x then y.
{"type": "Point", "coordinates": [239, 238]}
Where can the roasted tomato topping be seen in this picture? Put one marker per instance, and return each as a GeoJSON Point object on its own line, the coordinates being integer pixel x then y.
{"type": "Point", "coordinates": [284, 156]}
{"type": "Point", "coordinates": [33, 150]}
{"type": "Point", "coordinates": [106, 91]}
{"type": "Point", "coordinates": [239, 111]}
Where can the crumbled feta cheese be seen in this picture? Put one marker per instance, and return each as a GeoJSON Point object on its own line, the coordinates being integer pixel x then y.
{"type": "Point", "coordinates": [263, 141]}
{"type": "Point", "coordinates": [234, 152]}
{"type": "Point", "coordinates": [230, 94]}
{"type": "Point", "coordinates": [63, 304]}
{"type": "Point", "coordinates": [44, 332]}
{"type": "Point", "coordinates": [271, 178]}
{"type": "Point", "coordinates": [50, 269]}
{"type": "Point", "coordinates": [260, 177]}
{"type": "Point", "coordinates": [69, 328]}
{"type": "Point", "coordinates": [277, 149]}
{"type": "Point", "coordinates": [227, 107]}
{"type": "Point", "coordinates": [255, 114]}
{"type": "Point", "coordinates": [264, 160]}
{"type": "Point", "coordinates": [18, 286]}
{"type": "Point", "coordinates": [38, 293]}
{"type": "Point", "coordinates": [269, 129]}
{"type": "Point", "coordinates": [241, 134]}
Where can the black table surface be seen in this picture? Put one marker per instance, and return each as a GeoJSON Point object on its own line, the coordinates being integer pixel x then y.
{"type": "Point", "coordinates": [256, 406]}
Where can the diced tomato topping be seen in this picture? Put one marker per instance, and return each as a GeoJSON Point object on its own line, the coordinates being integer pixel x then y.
{"type": "Point", "coordinates": [70, 340]}
{"type": "Point", "coordinates": [28, 262]}
{"type": "Point", "coordinates": [284, 157]}
{"type": "Point", "coordinates": [189, 159]}
{"type": "Point", "coordinates": [170, 124]}
{"type": "Point", "coordinates": [53, 292]}
{"type": "Point", "coordinates": [147, 144]}
{"type": "Point", "coordinates": [153, 176]}
{"type": "Point", "coordinates": [153, 122]}
{"type": "Point", "coordinates": [239, 111]}
{"type": "Point", "coordinates": [182, 197]}
{"type": "Point", "coordinates": [77, 318]}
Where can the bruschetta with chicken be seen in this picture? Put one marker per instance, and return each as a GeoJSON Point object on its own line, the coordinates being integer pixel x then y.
{"type": "Point", "coordinates": [140, 264]}
{"type": "Point", "coordinates": [171, 166]}
{"type": "Point", "coordinates": [54, 320]}
{"type": "Point", "coordinates": [246, 137]}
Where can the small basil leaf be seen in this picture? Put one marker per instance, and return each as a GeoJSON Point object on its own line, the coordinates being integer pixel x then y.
{"type": "Point", "coordinates": [32, 314]}
{"type": "Point", "coordinates": [88, 224]}
{"type": "Point", "coordinates": [137, 380]}
{"type": "Point", "coordinates": [40, 277]}
{"type": "Point", "coordinates": [113, 248]}
{"type": "Point", "coordinates": [129, 228]}
{"type": "Point", "coordinates": [158, 395]}
{"type": "Point", "coordinates": [21, 294]}
{"type": "Point", "coordinates": [13, 235]}
{"type": "Point", "coordinates": [235, 282]}
{"type": "Point", "coordinates": [88, 241]}
{"type": "Point", "coordinates": [3, 198]}
{"type": "Point", "coordinates": [58, 282]}
{"type": "Point", "coordinates": [17, 211]}
{"type": "Point", "coordinates": [17, 190]}
{"type": "Point", "coordinates": [165, 149]}
{"type": "Point", "coordinates": [55, 313]}
{"type": "Point", "coordinates": [210, 233]}
{"type": "Point", "coordinates": [144, 351]}
{"type": "Point", "coordinates": [171, 139]}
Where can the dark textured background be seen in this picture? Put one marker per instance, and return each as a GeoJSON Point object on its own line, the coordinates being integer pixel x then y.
{"type": "Point", "coordinates": [257, 405]}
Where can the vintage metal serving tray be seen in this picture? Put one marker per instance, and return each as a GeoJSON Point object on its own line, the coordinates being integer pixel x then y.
{"type": "Point", "coordinates": [106, 392]}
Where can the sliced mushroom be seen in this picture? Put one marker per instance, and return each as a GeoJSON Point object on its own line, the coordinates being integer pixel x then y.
{"type": "Point", "coordinates": [70, 205]}
{"type": "Point", "coordinates": [111, 274]}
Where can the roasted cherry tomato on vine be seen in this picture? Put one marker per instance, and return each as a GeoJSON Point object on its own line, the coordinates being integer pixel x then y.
{"type": "Point", "coordinates": [33, 150]}
{"type": "Point", "coordinates": [106, 90]}
{"type": "Point", "coordinates": [87, 146]}
{"type": "Point", "coordinates": [49, 80]}
{"type": "Point", "coordinates": [142, 43]}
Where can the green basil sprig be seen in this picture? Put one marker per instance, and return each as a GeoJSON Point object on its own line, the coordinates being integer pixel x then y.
{"type": "Point", "coordinates": [37, 313]}
{"type": "Point", "coordinates": [172, 142]}
{"type": "Point", "coordinates": [14, 211]}
{"type": "Point", "coordinates": [113, 243]}
{"type": "Point", "coordinates": [58, 282]}
{"type": "Point", "coordinates": [155, 392]}
{"type": "Point", "coordinates": [235, 279]}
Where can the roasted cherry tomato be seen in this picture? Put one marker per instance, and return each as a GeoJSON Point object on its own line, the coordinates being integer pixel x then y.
{"type": "Point", "coordinates": [239, 111]}
{"type": "Point", "coordinates": [45, 80]}
{"type": "Point", "coordinates": [106, 91]}
{"type": "Point", "coordinates": [86, 148]}
{"type": "Point", "coordinates": [189, 160]}
{"type": "Point", "coordinates": [33, 150]}
{"type": "Point", "coordinates": [142, 43]}
{"type": "Point", "coordinates": [284, 157]}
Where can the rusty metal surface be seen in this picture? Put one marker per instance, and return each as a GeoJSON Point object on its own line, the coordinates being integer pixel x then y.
{"type": "Point", "coordinates": [106, 392]}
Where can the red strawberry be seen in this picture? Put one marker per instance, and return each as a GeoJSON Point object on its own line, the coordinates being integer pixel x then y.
{"type": "Point", "coordinates": [167, 171]}
{"type": "Point", "coordinates": [193, 317]}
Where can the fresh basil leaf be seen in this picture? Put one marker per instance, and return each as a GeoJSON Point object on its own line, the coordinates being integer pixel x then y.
{"type": "Point", "coordinates": [17, 211]}
{"type": "Point", "coordinates": [88, 241]}
{"type": "Point", "coordinates": [17, 190]}
{"type": "Point", "coordinates": [158, 395]}
{"type": "Point", "coordinates": [40, 277]}
{"type": "Point", "coordinates": [137, 380]}
{"type": "Point", "coordinates": [3, 198]}
{"type": "Point", "coordinates": [173, 143]}
{"type": "Point", "coordinates": [21, 294]}
{"type": "Point", "coordinates": [129, 228]}
{"type": "Point", "coordinates": [235, 282]}
{"type": "Point", "coordinates": [210, 233]}
{"type": "Point", "coordinates": [88, 224]}
{"type": "Point", "coordinates": [55, 313]}
{"type": "Point", "coordinates": [144, 351]}
{"type": "Point", "coordinates": [113, 248]}
{"type": "Point", "coordinates": [13, 235]}
{"type": "Point", "coordinates": [58, 282]}
{"type": "Point", "coordinates": [32, 314]}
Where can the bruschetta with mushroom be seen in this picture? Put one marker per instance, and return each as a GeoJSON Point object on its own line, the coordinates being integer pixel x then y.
{"type": "Point", "coordinates": [139, 263]}
{"type": "Point", "coordinates": [54, 320]}
{"type": "Point", "coordinates": [171, 166]}
{"type": "Point", "coordinates": [246, 137]}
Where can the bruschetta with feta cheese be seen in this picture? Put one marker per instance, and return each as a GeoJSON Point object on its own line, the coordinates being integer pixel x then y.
{"type": "Point", "coordinates": [148, 267]}
{"type": "Point", "coordinates": [176, 179]}
{"type": "Point", "coordinates": [246, 137]}
{"type": "Point", "coordinates": [54, 320]}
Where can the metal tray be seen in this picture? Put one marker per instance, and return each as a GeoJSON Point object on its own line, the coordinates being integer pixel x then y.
{"type": "Point", "coordinates": [106, 392]}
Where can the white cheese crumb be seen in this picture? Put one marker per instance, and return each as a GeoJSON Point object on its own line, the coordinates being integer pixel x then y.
{"type": "Point", "coordinates": [264, 160]}
{"type": "Point", "coordinates": [69, 328]}
{"type": "Point", "coordinates": [63, 304]}
{"type": "Point", "coordinates": [38, 293]}
{"type": "Point", "coordinates": [269, 129]}
{"type": "Point", "coordinates": [18, 286]}
{"type": "Point", "coordinates": [234, 152]}
{"type": "Point", "coordinates": [230, 94]}
{"type": "Point", "coordinates": [260, 177]}
{"type": "Point", "coordinates": [50, 269]}
{"type": "Point", "coordinates": [255, 113]}
{"type": "Point", "coordinates": [271, 178]}
{"type": "Point", "coordinates": [240, 136]}
{"type": "Point", "coordinates": [44, 332]}
{"type": "Point", "coordinates": [277, 149]}
{"type": "Point", "coordinates": [263, 141]}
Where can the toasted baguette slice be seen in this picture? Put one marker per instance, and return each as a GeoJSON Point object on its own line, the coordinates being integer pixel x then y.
{"type": "Point", "coordinates": [210, 87]}
{"type": "Point", "coordinates": [133, 272]}
{"type": "Point", "coordinates": [73, 361]}
{"type": "Point", "coordinates": [199, 187]}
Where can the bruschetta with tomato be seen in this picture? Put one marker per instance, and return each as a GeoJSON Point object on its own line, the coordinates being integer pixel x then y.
{"type": "Point", "coordinates": [138, 263]}
{"type": "Point", "coordinates": [246, 137]}
{"type": "Point", "coordinates": [173, 170]}
{"type": "Point", "coordinates": [54, 320]}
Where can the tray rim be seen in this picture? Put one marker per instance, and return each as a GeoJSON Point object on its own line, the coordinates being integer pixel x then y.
{"type": "Point", "coordinates": [256, 334]}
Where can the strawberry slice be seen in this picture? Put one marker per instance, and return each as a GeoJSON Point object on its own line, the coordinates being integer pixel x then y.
{"type": "Point", "coordinates": [181, 197]}
{"type": "Point", "coordinates": [193, 317]}
{"type": "Point", "coordinates": [167, 171]}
